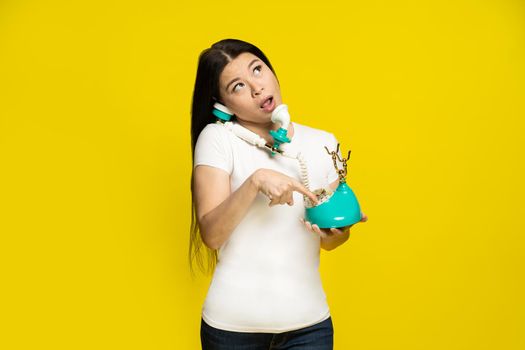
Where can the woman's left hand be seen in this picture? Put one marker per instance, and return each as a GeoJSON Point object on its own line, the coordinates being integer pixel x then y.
{"type": "Point", "coordinates": [333, 237]}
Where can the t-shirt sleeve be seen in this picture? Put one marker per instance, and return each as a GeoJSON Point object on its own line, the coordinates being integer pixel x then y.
{"type": "Point", "coordinates": [213, 149]}
{"type": "Point", "coordinates": [332, 172]}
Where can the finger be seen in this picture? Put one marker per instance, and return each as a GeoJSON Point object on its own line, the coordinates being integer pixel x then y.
{"type": "Point", "coordinates": [319, 231]}
{"type": "Point", "coordinates": [299, 187]}
{"type": "Point", "coordinates": [283, 200]}
{"type": "Point", "coordinates": [274, 201]}
{"type": "Point", "coordinates": [286, 197]}
{"type": "Point", "coordinates": [277, 199]}
{"type": "Point", "coordinates": [340, 231]}
{"type": "Point", "coordinates": [336, 231]}
{"type": "Point", "coordinates": [316, 228]}
{"type": "Point", "coordinates": [308, 226]}
{"type": "Point", "coordinates": [289, 199]}
{"type": "Point", "coordinates": [364, 217]}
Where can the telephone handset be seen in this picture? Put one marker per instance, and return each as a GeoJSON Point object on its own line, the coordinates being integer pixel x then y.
{"type": "Point", "coordinates": [279, 115]}
{"type": "Point", "coordinates": [222, 112]}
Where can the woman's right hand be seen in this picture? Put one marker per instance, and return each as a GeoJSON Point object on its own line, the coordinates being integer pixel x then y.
{"type": "Point", "coordinates": [279, 187]}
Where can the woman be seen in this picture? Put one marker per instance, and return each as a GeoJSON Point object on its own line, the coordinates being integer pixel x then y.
{"type": "Point", "coordinates": [266, 291]}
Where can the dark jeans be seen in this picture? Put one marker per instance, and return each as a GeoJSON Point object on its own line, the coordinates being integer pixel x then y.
{"type": "Point", "coordinates": [317, 337]}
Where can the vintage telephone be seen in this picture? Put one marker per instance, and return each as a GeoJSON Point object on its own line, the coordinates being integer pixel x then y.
{"type": "Point", "coordinates": [338, 208]}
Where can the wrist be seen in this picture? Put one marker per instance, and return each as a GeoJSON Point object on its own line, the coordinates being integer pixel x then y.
{"type": "Point", "coordinates": [255, 179]}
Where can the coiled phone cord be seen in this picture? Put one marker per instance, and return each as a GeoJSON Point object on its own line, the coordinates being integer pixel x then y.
{"type": "Point", "coordinates": [256, 140]}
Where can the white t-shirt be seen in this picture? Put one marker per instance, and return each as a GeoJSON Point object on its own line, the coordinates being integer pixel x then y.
{"type": "Point", "coordinates": [267, 276]}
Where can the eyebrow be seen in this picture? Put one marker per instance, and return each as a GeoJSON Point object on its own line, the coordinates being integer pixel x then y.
{"type": "Point", "coordinates": [235, 79]}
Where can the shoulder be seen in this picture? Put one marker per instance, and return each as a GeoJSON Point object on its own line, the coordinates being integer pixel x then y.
{"type": "Point", "coordinates": [213, 148]}
{"type": "Point", "coordinates": [213, 132]}
{"type": "Point", "coordinates": [213, 129]}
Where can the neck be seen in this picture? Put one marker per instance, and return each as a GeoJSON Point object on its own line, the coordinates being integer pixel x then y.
{"type": "Point", "coordinates": [263, 130]}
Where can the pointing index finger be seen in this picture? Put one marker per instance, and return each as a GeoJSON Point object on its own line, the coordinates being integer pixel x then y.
{"type": "Point", "coordinates": [299, 187]}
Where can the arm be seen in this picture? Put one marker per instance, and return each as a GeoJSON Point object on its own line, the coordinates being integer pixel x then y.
{"type": "Point", "coordinates": [219, 211]}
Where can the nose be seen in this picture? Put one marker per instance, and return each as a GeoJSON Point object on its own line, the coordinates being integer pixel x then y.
{"type": "Point", "coordinates": [257, 90]}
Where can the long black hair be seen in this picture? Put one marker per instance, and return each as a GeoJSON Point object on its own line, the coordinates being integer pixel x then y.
{"type": "Point", "coordinates": [205, 93]}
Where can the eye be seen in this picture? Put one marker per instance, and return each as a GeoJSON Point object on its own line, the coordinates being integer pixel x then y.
{"type": "Point", "coordinates": [257, 68]}
{"type": "Point", "coordinates": [235, 87]}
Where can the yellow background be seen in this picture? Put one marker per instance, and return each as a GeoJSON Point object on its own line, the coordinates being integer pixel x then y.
{"type": "Point", "coordinates": [95, 165]}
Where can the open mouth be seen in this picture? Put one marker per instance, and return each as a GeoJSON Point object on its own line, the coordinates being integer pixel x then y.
{"type": "Point", "coordinates": [267, 104]}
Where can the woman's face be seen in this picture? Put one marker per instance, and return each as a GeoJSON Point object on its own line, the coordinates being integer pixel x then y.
{"type": "Point", "coordinates": [245, 84]}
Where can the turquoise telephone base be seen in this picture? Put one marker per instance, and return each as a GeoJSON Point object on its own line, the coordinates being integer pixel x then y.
{"type": "Point", "coordinates": [340, 210]}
